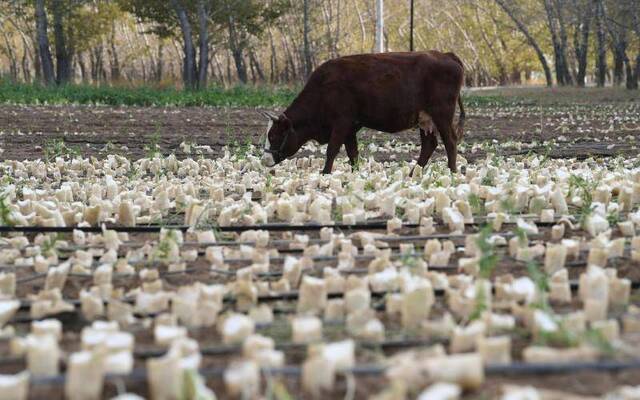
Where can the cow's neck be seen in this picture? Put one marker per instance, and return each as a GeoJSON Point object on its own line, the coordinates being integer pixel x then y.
{"type": "Point", "coordinates": [299, 124]}
{"type": "Point", "coordinates": [301, 114]}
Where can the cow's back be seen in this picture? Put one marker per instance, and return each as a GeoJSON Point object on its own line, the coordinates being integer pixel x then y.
{"type": "Point", "coordinates": [384, 91]}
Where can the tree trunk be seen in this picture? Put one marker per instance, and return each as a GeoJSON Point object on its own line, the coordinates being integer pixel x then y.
{"type": "Point", "coordinates": [601, 52]}
{"type": "Point", "coordinates": [273, 60]}
{"type": "Point", "coordinates": [632, 73]}
{"type": "Point", "coordinates": [189, 72]}
{"type": "Point", "coordinates": [159, 61]}
{"type": "Point", "coordinates": [290, 66]}
{"type": "Point", "coordinates": [237, 51]}
{"type": "Point", "coordinates": [26, 64]}
{"type": "Point", "coordinates": [228, 59]}
{"type": "Point", "coordinates": [83, 68]}
{"type": "Point", "coordinates": [63, 55]}
{"type": "Point", "coordinates": [37, 62]}
{"type": "Point", "coordinates": [581, 43]}
{"type": "Point", "coordinates": [13, 61]}
{"type": "Point", "coordinates": [98, 72]}
{"type": "Point", "coordinates": [94, 65]}
{"type": "Point", "coordinates": [636, 76]}
{"type": "Point", "coordinates": [113, 55]}
{"type": "Point", "coordinates": [241, 65]}
{"type": "Point", "coordinates": [363, 29]}
{"type": "Point", "coordinates": [619, 57]}
{"type": "Point", "coordinates": [497, 58]}
{"type": "Point", "coordinates": [307, 48]}
{"type": "Point", "coordinates": [619, 44]}
{"type": "Point", "coordinates": [256, 66]}
{"type": "Point", "coordinates": [568, 79]}
{"type": "Point", "coordinates": [218, 65]}
{"type": "Point", "coordinates": [558, 42]}
{"type": "Point", "coordinates": [530, 39]}
{"type": "Point", "coordinates": [46, 61]}
{"type": "Point", "coordinates": [203, 42]}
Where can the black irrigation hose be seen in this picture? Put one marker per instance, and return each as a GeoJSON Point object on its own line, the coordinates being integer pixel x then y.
{"type": "Point", "coordinates": [292, 346]}
{"type": "Point", "coordinates": [513, 369]}
{"type": "Point", "coordinates": [278, 227]}
{"type": "Point", "coordinates": [269, 298]}
{"type": "Point", "coordinates": [559, 368]}
{"type": "Point", "coordinates": [275, 274]}
{"type": "Point", "coordinates": [275, 243]}
{"type": "Point", "coordinates": [231, 272]}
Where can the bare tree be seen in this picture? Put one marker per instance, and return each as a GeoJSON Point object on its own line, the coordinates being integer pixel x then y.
{"type": "Point", "coordinates": [557, 30]}
{"type": "Point", "coordinates": [203, 42]}
{"type": "Point", "coordinates": [509, 10]}
{"type": "Point", "coordinates": [583, 15]}
{"type": "Point", "coordinates": [307, 46]}
{"type": "Point", "coordinates": [64, 52]}
{"type": "Point", "coordinates": [617, 30]}
{"type": "Point", "coordinates": [113, 54]}
{"type": "Point", "coordinates": [601, 51]}
{"type": "Point", "coordinates": [46, 60]}
{"type": "Point", "coordinates": [159, 60]}
{"type": "Point", "coordinates": [189, 62]}
{"type": "Point", "coordinates": [633, 74]}
{"type": "Point", "coordinates": [236, 48]}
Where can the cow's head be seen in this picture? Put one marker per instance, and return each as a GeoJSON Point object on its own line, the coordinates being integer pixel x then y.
{"type": "Point", "coordinates": [280, 141]}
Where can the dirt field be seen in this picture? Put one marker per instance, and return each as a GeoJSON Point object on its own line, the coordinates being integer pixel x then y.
{"type": "Point", "coordinates": [591, 122]}
{"type": "Point", "coordinates": [555, 123]}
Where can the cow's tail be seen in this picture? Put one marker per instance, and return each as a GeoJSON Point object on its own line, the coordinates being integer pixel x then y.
{"type": "Point", "coordinates": [460, 127]}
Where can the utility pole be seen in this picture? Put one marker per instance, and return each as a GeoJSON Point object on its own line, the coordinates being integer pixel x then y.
{"type": "Point", "coordinates": [380, 26]}
{"type": "Point", "coordinates": [411, 27]}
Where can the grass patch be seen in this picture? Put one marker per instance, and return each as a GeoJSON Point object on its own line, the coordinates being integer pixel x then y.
{"type": "Point", "coordinates": [215, 96]}
{"type": "Point", "coordinates": [239, 96]}
{"type": "Point", "coordinates": [58, 148]}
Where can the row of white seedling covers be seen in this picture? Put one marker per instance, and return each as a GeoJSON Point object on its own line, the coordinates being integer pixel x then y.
{"type": "Point", "coordinates": [116, 190]}
{"type": "Point", "coordinates": [508, 302]}
{"type": "Point", "coordinates": [90, 191]}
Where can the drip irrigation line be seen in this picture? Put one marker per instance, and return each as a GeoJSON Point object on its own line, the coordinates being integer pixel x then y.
{"type": "Point", "coordinates": [275, 243]}
{"type": "Point", "coordinates": [271, 274]}
{"type": "Point", "coordinates": [293, 295]}
{"type": "Point", "coordinates": [552, 368]}
{"type": "Point", "coordinates": [278, 227]}
{"type": "Point", "coordinates": [31, 278]}
{"type": "Point", "coordinates": [292, 346]}
{"type": "Point", "coordinates": [513, 369]}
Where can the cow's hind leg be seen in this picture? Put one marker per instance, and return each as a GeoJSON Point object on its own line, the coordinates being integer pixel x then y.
{"type": "Point", "coordinates": [351, 146]}
{"type": "Point", "coordinates": [444, 124]}
{"type": "Point", "coordinates": [429, 142]}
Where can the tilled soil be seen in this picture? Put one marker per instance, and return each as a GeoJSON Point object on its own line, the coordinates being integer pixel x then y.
{"type": "Point", "coordinates": [601, 129]}
{"type": "Point", "coordinates": [582, 127]}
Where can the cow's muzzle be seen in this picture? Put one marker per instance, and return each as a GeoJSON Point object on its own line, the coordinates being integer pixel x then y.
{"type": "Point", "coordinates": [268, 158]}
{"type": "Point", "coordinates": [271, 157]}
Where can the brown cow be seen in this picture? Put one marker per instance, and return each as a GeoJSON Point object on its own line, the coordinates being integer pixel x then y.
{"type": "Point", "coordinates": [388, 92]}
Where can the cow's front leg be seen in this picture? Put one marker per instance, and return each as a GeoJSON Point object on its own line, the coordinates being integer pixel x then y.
{"type": "Point", "coordinates": [429, 142]}
{"type": "Point", "coordinates": [338, 137]}
{"type": "Point", "coordinates": [351, 145]}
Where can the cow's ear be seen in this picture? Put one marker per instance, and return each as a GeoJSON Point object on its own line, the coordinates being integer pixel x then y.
{"type": "Point", "coordinates": [284, 119]}
{"type": "Point", "coordinates": [269, 115]}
